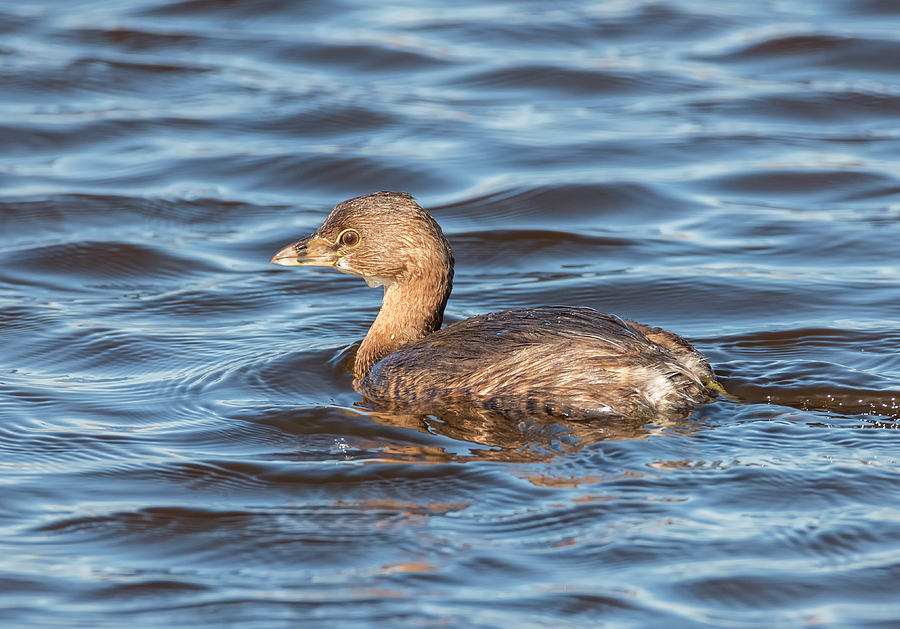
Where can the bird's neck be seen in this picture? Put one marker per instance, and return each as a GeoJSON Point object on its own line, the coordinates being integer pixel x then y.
{"type": "Point", "coordinates": [411, 310]}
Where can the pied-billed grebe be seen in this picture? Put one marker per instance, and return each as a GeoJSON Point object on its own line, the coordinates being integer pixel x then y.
{"type": "Point", "coordinates": [572, 362]}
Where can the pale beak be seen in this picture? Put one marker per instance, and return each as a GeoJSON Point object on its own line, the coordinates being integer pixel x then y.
{"type": "Point", "coordinates": [312, 251]}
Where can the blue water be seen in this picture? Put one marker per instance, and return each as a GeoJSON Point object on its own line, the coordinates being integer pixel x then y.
{"type": "Point", "coordinates": [180, 441]}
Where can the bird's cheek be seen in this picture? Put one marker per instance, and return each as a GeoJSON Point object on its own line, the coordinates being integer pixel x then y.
{"type": "Point", "coordinates": [343, 264]}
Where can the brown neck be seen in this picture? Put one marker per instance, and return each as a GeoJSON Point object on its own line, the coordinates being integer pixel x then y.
{"type": "Point", "coordinates": [410, 310]}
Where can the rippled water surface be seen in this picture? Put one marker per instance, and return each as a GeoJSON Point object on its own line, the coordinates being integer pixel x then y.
{"type": "Point", "coordinates": [180, 441]}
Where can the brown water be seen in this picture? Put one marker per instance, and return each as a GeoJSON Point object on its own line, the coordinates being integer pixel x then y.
{"type": "Point", "coordinates": [180, 443]}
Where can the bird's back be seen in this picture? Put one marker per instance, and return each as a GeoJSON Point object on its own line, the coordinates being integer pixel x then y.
{"type": "Point", "coordinates": [562, 361]}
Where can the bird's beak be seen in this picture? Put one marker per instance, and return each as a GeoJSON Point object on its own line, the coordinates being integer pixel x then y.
{"type": "Point", "coordinates": [312, 251]}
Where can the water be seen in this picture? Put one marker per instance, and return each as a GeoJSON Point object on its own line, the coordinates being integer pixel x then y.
{"type": "Point", "coordinates": [181, 444]}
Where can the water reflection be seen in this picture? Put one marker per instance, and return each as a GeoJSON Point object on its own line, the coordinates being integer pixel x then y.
{"type": "Point", "coordinates": [494, 437]}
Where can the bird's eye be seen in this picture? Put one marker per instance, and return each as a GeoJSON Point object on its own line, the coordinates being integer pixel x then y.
{"type": "Point", "coordinates": [349, 238]}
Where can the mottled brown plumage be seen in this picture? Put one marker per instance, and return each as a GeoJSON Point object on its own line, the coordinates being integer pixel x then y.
{"type": "Point", "coordinates": [561, 361]}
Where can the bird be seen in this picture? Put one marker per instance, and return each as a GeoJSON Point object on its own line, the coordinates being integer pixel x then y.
{"type": "Point", "coordinates": [557, 361]}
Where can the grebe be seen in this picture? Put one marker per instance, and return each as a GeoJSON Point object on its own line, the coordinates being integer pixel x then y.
{"type": "Point", "coordinates": [553, 360]}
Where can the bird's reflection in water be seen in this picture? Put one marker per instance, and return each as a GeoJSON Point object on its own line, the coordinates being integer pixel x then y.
{"type": "Point", "coordinates": [492, 436]}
